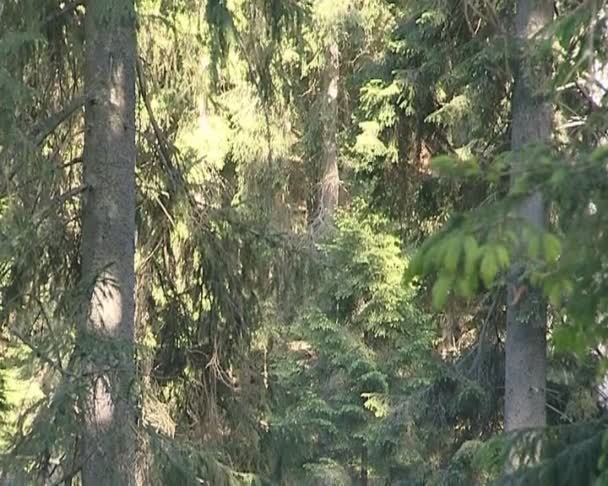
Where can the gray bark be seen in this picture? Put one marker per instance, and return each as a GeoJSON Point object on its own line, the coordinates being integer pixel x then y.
{"type": "Point", "coordinates": [526, 362]}
{"type": "Point", "coordinates": [106, 334]}
{"type": "Point", "coordinates": [330, 181]}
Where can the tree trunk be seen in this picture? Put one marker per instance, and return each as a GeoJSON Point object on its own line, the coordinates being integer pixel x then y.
{"type": "Point", "coordinates": [364, 466]}
{"type": "Point", "coordinates": [106, 334]}
{"type": "Point", "coordinates": [526, 361]}
{"type": "Point", "coordinates": [330, 180]}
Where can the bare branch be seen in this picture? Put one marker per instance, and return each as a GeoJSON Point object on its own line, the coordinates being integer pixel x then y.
{"type": "Point", "coordinates": [160, 136]}
{"type": "Point", "coordinates": [66, 9]}
{"type": "Point", "coordinates": [48, 126]}
{"type": "Point", "coordinates": [69, 194]}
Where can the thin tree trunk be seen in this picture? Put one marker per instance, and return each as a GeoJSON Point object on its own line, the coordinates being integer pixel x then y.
{"type": "Point", "coordinates": [330, 181]}
{"type": "Point", "coordinates": [526, 360]}
{"type": "Point", "coordinates": [106, 333]}
{"type": "Point", "coordinates": [364, 466]}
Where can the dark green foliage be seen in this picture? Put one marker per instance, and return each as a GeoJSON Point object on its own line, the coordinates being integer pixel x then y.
{"type": "Point", "coordinates": [565, 455]}
{"type": "Point", "coordinates": [359, 343]}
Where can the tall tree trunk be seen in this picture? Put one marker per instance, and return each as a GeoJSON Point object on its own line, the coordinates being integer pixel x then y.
{"type": "Point", "coordinates": [106, 335]}
{"type": "Point", "coordinates": [330, 180]}
{"type": "Point", "coordinates": [526, 360]}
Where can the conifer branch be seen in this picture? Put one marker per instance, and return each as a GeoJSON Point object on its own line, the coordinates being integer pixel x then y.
{"type": "Point", "coordinates": [43, 129]}
{"type": "Point", "coordinates": [37, 351]}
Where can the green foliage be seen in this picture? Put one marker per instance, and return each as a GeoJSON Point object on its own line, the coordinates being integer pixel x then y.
{"type": "Point", "coordinates": [325, 471]}
{"type": "Point", "coordinates": [359, 342]}
{"type": "Point", "coordinates": [265, 358]}
{"type": "Point", "coordinates": [564, 455]}
{"type": "Point", "coordinates": [186, 464]}
{"type": "Point", "coordinates": [556, 259]}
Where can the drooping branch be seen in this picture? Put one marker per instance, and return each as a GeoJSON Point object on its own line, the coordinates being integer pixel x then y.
{"type": "Point", "coordinates": [158, 133]}
{"type": "Point", "coordinates": [168, 151]}
{"type": "Point", "coordinates": [37, 351]}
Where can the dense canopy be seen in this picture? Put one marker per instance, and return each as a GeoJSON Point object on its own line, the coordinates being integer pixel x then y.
{"type": "Point", "coordinates": [303, 242]}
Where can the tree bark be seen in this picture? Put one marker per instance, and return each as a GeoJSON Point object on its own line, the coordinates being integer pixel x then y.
{"type": "Point", "coordinates": [106, 334]}
{"type": "Point", "coordinates": [532, 113]}
{"type": "Point", "coordinates": [330, 180]}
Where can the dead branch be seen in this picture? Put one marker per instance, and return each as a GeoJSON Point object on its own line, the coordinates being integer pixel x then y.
{"type": "Point", "coordinates": [43, 129]}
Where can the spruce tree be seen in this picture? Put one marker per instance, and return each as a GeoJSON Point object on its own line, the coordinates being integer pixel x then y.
{"type": "Point", "coordinates": [106, 333]}
{"type": "Point", "coordinates": [532, 117]}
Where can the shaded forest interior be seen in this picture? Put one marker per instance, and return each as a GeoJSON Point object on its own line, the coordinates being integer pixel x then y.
{"type": "Point", "coordinates": [304, 242]}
